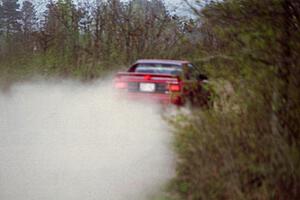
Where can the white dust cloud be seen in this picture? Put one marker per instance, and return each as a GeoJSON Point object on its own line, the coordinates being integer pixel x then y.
{"type": "Point", "coordinates": [61, 140]}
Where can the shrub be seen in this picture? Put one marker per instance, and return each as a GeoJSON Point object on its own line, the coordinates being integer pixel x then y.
{"type": "Point", "coordinates": [237, 152]}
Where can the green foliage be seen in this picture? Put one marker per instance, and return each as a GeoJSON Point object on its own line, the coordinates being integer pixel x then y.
{"type": "Point", "coordinates": [72, 39]}
{"type": "Point", "coordinates": [234, 155]}
{"type": "Point", "coordinates": [247, 146]}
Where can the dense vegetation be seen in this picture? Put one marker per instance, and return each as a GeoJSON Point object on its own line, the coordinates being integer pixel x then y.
{"type": "Point", "coordinates": [85, 38]}
{"type": "Point", "coordinates": [247, 146]}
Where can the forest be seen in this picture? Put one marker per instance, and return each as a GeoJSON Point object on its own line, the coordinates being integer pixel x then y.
{"type": "Point", "coordinates": [248, 145]}
{"type": "Point", "coordinates": [84, 39]}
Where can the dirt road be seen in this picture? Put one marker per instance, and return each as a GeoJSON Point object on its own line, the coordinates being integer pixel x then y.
{"type": "Point", "coordinates": [64, 140]}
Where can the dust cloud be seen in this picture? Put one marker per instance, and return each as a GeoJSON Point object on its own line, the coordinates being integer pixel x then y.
{"type": "Point", "coordinates": [64, 140]}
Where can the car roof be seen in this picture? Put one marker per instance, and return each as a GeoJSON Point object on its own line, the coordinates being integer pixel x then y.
{"type": "Point", "coordinates": [162, 61]}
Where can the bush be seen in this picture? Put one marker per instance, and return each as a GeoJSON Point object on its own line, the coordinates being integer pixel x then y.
{"type": "Point", "coordinates": [235, 153]}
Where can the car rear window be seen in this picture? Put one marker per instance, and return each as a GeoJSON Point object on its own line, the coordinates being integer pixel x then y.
{"type": "Point", "coordinates": [155, 68]}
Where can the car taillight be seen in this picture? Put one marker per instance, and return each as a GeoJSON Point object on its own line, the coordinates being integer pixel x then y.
{"type": "Point", "coordinates": [120, 85]}
{"type": "Point", "coordinates": [174, 87]}
{"type": "Point", "coordinates": [147, 77]}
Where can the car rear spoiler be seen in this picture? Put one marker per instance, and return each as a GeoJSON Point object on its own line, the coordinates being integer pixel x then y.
{"type": "Point", "coordinates": [144, 74]}
{"type": "Point", "coordinates": [147, 75]}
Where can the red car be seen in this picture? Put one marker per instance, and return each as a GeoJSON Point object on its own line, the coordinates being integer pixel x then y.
{"type": "Point", "coordinates": [164, 81]}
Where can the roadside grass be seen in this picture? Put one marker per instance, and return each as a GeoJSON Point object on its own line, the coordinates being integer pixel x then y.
{"type": "Point", "coordinates": [49, 66]}
{"type": "Point", "coordinates": [234, 151]}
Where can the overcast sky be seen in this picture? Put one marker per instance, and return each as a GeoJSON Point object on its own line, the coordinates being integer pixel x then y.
{"type": "Point", "coordinates": [177, 5]}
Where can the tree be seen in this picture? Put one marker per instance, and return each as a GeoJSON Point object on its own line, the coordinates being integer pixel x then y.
{"type": "Point", "coordinates": [251, 152]}
{"type": "Point", "coordinates": [1, 19]}
{"type": "Point", "coordinates": [9, 26]}
{"type": "Point", "coordinates": [28, 19]}
{"type": "Point", "coordinates": [10, 16]}
{"type": "Point", "coordinates": [29, 25]}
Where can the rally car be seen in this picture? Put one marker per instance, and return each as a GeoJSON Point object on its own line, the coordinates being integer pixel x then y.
{"type": "Point", "coordinates": [165, 81]}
